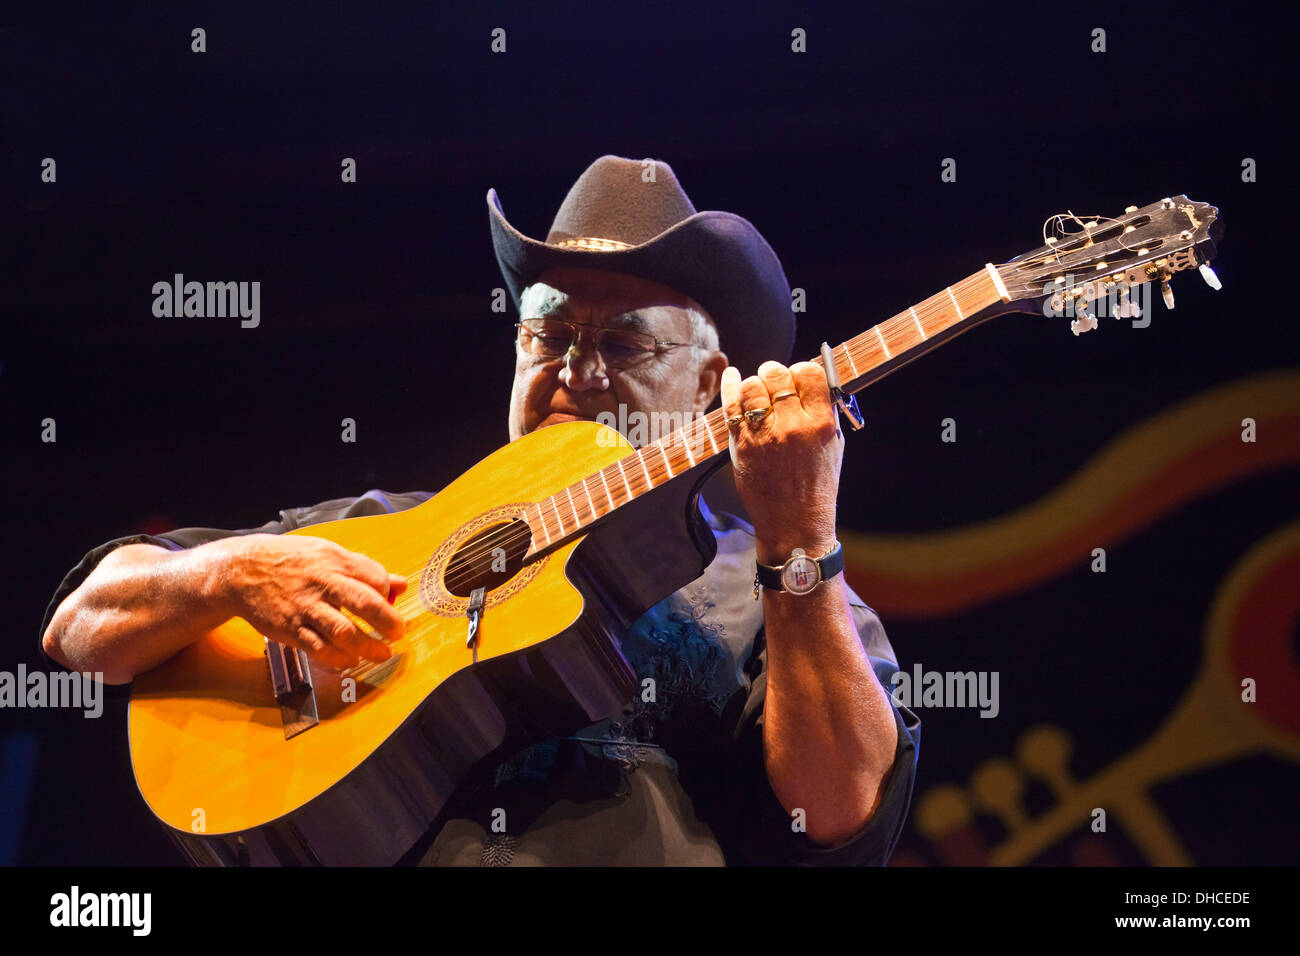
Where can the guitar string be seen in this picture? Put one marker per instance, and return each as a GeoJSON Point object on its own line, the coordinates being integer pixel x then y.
{"type": "Point", "coordinates": [522, 535]}
{"type": "Point", "coordinates": [935, 306]}
{"type": "Point", "coordinates": [857, 348]}
{"type": "Point", "coordinates": [930, 309]}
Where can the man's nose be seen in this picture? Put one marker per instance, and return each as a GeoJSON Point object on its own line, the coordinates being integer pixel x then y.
{"type": "Point", "coordinates": [584, 369]}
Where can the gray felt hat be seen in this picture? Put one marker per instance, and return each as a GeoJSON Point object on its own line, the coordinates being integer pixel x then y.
{"type": "Point", "coordinates": [619, 217]}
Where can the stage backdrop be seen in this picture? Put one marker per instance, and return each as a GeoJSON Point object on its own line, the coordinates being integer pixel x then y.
{"type": "Point", "coordinates": [1107, 523]}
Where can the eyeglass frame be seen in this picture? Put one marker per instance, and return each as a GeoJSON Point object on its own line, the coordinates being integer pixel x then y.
{"type": "Point", "coordinates": [660, 345]}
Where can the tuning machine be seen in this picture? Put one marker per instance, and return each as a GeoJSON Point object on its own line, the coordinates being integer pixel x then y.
{"type": "Point", "coordinates": [1086, 321]}
{"type": "Point", "coordinates": [1126, 308]}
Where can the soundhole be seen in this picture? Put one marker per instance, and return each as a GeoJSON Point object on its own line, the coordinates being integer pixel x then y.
{"type": "Point", "coordinates": [489, 559]}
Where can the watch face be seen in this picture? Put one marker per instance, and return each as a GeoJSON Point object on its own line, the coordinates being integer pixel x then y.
{"type": "Point", "coordinates": [800, 575]}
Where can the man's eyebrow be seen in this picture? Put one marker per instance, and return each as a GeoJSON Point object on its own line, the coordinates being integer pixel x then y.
{"type": "Point", "coordinates": [630, 320]}
{"type": "Point", "coordinates": [561, 308]}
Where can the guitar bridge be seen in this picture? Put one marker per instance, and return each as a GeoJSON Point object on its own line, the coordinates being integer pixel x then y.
{"type": "Point", "coordinates": [291, 683]}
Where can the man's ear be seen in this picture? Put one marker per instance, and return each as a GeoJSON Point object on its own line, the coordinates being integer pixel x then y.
{"type": "Point", "coordinates": [710, 380]}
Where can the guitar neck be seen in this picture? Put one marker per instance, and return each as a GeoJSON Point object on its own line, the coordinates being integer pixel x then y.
{"type": "Point", "coordinates": [861, 360]}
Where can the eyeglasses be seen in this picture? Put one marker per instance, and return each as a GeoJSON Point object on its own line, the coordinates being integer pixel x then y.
{"type": "Point", "coordinates": [619, 348]}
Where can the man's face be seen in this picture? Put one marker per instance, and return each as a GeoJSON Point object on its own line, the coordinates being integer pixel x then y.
{"type": "Point", "coordinates": [582, 383]}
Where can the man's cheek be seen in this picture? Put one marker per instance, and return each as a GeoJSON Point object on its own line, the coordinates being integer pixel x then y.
{"type": "Point", "coordinates": [529, 395]}
{"type": "Point", "coordinates": [518, 406]}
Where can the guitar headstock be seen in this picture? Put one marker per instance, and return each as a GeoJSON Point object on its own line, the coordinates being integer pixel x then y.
{"type": "Point", "coordinates": [1085, 260]}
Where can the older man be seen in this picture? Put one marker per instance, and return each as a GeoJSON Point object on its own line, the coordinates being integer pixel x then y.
{"type": "Point", "coordinates": [770, 736]}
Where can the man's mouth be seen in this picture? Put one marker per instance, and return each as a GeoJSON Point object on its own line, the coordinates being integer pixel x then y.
{"type": "Point", "coordinates": [555, 418]}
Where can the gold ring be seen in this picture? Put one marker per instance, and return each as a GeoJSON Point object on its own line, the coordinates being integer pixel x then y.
{"type": "Point", "coordinates": [735, 419]}
{"type": "Point", "coordinates": [756, 415]}
{"type": "Point", "coordinates": [780, 395]}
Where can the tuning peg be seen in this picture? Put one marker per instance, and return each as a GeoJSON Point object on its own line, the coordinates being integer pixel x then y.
{"type": "Point", "coordinates": [1210, 278]}
{"type": "Point", "coordinates": [1167, 293]}
{"type": "Point", "coordinates": [1127, 309]}
{"type": "Point", "coordinates": [1084, 323]}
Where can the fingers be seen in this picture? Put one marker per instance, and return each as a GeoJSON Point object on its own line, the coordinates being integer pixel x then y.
{"type": "Point", "coordinates": [754, 397]}
{"type": "Point", "coordinates": [315, 645]}
{"type": "Point", "coordinates": [396, 585]}
{"type": "Point", "coordinates": [344, 636]}
{"type": "Point", "coordinates": [777, 381]}
{"type": "Point", "coordinates": [775, 387]}
{"type": "Point", "coordinates": [366, 603]}
{"type": "Point", "coordinates": [798, 396]}
{"type": "Point", "coordinates": [814, 393]}
{"type": "Point", "coordinates": [730, 390]}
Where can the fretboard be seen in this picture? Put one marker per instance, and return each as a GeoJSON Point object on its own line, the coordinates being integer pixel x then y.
{"type": "Point", "coordinates": [858, 361]}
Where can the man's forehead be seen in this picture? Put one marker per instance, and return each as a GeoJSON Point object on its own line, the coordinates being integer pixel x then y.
{"type": "Point", "coordinates": [593, 290]}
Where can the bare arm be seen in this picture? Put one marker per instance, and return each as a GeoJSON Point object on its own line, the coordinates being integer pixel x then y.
{"type": "Point", "coordinates": [143, 603]}
{"type": "Point", "coordinates": [829, 731]}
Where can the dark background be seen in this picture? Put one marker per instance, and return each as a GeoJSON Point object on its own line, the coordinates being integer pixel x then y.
{"type": "Point", "coordinates": [376, 305]}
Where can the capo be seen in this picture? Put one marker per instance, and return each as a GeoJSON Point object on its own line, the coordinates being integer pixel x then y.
{"type": "Point", "coordinates": [477, 601]}
{"type": "Point", "coordinates": [848, 404]}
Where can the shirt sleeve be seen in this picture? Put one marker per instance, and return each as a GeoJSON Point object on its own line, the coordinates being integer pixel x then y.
{"type": "Point", "coordinates": [771, 837]}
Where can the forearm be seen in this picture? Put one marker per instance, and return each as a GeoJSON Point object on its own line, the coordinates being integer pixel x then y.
{"type": "Point", "coordinates": [138, 607]}
{"type": "Point", "coordinates": [829, 732]}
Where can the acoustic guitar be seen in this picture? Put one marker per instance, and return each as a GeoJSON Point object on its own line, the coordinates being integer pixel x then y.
{"type": "Point", "coordinates": [523, 575]}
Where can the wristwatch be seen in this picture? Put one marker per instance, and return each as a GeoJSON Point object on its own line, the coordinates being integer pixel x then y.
{"type": "Point", "coordinates": [801, 573]}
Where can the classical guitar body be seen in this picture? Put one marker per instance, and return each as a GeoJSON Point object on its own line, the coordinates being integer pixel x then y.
{"type": "Point", "coordinates": [220, 760]}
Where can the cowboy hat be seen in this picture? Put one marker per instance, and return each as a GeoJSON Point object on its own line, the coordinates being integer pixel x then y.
{"type": "Point", "coordinates": [632, 216]}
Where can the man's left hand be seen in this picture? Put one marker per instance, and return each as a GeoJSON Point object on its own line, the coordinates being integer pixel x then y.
{"type": "Point", "coordinates": [787, 464]}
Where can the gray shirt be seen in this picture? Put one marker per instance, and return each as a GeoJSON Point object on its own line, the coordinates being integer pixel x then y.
{"type": "Point", "coordinates": [677, 778]}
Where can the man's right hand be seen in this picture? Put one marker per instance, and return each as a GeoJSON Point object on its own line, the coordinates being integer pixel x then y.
{"type": "Point", "coordinates": [143, 603]}
{"type": "Point", "coordinates": [295, 588]}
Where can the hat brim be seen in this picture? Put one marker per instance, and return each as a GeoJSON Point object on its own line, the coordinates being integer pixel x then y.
{"type": "Point", "coordinates": [717, 258]}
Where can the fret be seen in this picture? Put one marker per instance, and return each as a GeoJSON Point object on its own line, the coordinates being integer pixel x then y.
{"type": "Point", "coordinates": [954, 303]}
{"type": "Point", "coordinates": [917, 320]}
{"type": "Point", "coordinates": [664, 454]}
{"type": "Point", "coordinates": [980, 291]}
{"type": "Point", "coordinates": [605, 484]}
{"type": "Point", "coordinates": [849, 355]}
{"type": "Point", "coordinates": [998, 285]}
{"type": "Point", "coordinates": [559, 515]}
